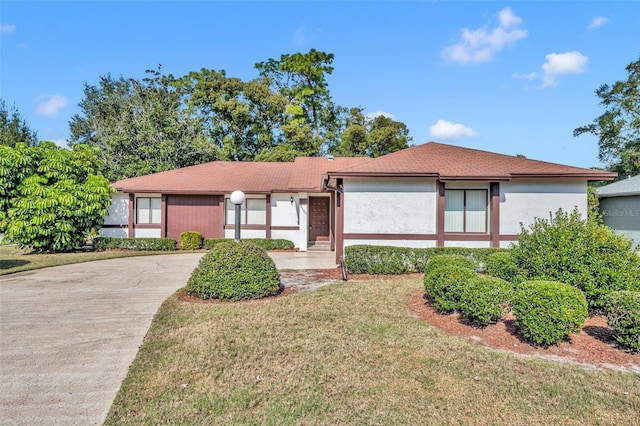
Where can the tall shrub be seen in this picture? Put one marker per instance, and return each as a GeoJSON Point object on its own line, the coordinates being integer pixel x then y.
{"type": "Point", "coordinates": [578, 252]}
{"type": "Point", "coordinates": [191, 240]}
{"type": "Point", "coordinates": [51, 198]}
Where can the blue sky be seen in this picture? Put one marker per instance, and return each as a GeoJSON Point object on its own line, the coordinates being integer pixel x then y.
{"type": "Point", "coordinates": [510, 77]}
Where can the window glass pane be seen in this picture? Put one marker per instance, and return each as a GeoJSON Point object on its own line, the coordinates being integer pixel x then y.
{"type": "Point", "coordinates": [155, 210]}
{"type": "Point", "coordinates": [476, 211]}
{"type": "Point", "coordinates": [256, 211]}
{"type": "Point", "coordinates": [143, 210]}
{"type": "Point", "coordinates": [230, 213]}
{"type": "Point", "coordinates": [453, 211]}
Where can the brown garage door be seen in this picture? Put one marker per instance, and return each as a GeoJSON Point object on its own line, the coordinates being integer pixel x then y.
{"type": "Point", "coordinates": [202, 213]}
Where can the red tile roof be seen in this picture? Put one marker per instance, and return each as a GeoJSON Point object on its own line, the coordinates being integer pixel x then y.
{"type": "Point", "coordinates": [448, 162]}
{"type": "Point", "coordinates": [445, 162]}
{"type": "Point", "coordinates": [306, 174]}
{"type": "Point", "coordinates": [217, 177]}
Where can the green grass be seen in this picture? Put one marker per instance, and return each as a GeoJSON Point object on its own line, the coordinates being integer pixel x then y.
{"type": "Point", "coordinates": [348, 353]}
{"type": "Point", "coordinates": [12, 259]}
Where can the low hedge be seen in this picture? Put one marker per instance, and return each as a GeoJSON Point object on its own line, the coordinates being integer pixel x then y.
{"type": "Point", "coordinates": [143, 244]}
{"type": "Point", "coordinates": [548, 311]}
{"type": "Point", "coordinates": [191, 240]}
{"type": "Point", "coordinates": [485, 299]}
{"type": "Point", "coordinates": [235, 271]}
{"type": "Point", "coordinates": [444, 282]}
{"type": "Point", "coordinates": [265, 243]}
{"type": "Point", "coordinates": [449, 260]}
{"type": "Point", "coordinates": [623, 315]}
{"type": "Point", "coordinates": [368, 259]}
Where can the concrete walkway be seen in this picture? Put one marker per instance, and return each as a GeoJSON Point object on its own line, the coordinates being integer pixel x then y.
{"type": "Point", "coordinates": [68, 334]}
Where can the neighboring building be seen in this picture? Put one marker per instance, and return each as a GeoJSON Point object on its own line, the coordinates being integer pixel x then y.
{"type": "Point", "coordinates": [424, 196]}
{"type": "Point", "coordinates": [620, 207]}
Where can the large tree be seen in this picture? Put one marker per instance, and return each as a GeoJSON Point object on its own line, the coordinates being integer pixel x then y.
{"type": "Point", "coordinates": [618, 129]}
{"type": "Point", "coordinates": [51, 197]}
{"type": "Point", "coordinates": [13, 128]}
{"type": "Point", "coordinates": [140, 127]}
{"type": "Point", "coordinates": [371, 136]}
{"type": "Point", "coordinates": [311, 120]}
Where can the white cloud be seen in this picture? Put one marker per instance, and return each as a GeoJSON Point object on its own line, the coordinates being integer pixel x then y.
{"type": "Point", "coordinates": [530, 76]}
{"type": "Point", "coordinates": [597, 22]}
{"type": "Point", "coordinates": [299, 37]}
{"type": "Point", "coordinates": [378, 113]}
{"type": "Point", "coordinates": [50, 105]}
{"type": "Point", "coordinates": [7, 28]}
{"type": "Point", "coordinates": [481, 45]}
{"type": "Point", "coordinates": [559, 64]}
{"type": "Point", "coordinates": [448, 131]}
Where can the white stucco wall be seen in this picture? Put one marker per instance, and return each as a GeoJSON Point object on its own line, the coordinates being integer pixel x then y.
{"type": "Point", "coordinates": [292, 236]}
{"type": "Point", "coordinates": [468, 244]}
{"type": "Point", "coordinates": [384, 206]}
{"type": "Point", "coordinates": [146, 233]}
{"type": "Point", "coordinates": [245, 233]}
{"type": "Point", "coordinates": [395, 243]}
{"type": "Point", "coordinates": [118, 210]}
{"type": "Point", "coordinates": [283, 211]}
{"type": "Point", "coordinates": [525, 200]}
{"type": "Point", "coordinates": [114, 232]}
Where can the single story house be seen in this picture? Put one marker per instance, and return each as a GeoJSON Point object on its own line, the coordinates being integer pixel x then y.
{"type": "Point", "coordinates": [620, 207]}
{"type": "Point", "coordinates": [423, 196]}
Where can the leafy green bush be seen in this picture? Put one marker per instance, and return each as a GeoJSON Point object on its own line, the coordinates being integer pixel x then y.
{"type": "Point", "coordinates": [443, 284]}
{"type": "Point", "coordinates": [265, 243]}
{"type": "Point", "coordinates": [502, 265]}
{"type": "Point", "coordinates": [235, 271]}
{"type": "Point", "coordinates": [191, 240]}
{"type": "Point", "coordinates": [485, 299]}
{"type": "Point", "coordinates": [581, 253]}
{"type": "Point", "coordinates": [449, 260]}
{"type": "Point", "coordinates": [367, 259]}
{"type": "Point", "coordinates": [623, 315]}
{"type": "Point", "coordinates": [547, 311]}
{"type": "Point", "coordinates": [51, 197]}
{"type": "Point", "coordinates": [143, 244]}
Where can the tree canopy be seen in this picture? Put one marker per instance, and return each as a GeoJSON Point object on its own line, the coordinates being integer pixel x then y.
{"type": "Point", "coordinates": [13, 128]}
{"type": "Point", "coordinates": [140, 127]}
{"type": "Point", "coordinates": [164, 122]}
{"type": "Point", "coordinates": [618, 128]}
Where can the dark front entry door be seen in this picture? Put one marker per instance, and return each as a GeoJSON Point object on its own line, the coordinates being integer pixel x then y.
{"type": "Point", "coordinates": [319, 219]}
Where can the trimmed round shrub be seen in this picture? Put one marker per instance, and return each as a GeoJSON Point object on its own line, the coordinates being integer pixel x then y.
{"type": "Point", "coordinates": [548, 311]}
{"type": "Point", "coordinates": [442, 284]}
{"type": "Point", "coordinates": [623, 315]}
{"type": "Point", "coordinates": [191, 240]}
{"type": "Point", "coordinates": [449, 260]}
{"type": "Point", "coordinates": [581, 253]}
{"type": "Point", "coordinates": [502, 265]}
{"type": "Point", "coordinates": [235, 271]}
{"type": "Point", "coordinates": [485, 299]}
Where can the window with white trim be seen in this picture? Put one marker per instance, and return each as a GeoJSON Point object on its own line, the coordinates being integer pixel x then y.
{"type": "Point", "coordinates": [465, 210]}
{"type": "Point", "coordinates": [253, 212]}
{"type": "Point", "coordinates": [148, 210]}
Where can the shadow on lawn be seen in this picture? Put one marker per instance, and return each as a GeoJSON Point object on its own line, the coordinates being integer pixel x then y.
{"type": "Point", "coordinates": [12, 263]}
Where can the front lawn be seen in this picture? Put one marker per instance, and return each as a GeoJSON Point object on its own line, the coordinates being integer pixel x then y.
{"type": "Point", "coordinates": [348, 353]}
{"type": "Point", "coordinates": [13, 259]}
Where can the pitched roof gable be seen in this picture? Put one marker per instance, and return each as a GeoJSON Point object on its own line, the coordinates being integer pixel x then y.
{"type": "Point", "coordinates": [449, 162]}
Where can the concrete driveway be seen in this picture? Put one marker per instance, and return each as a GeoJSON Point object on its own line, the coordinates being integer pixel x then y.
{"type": "Point", "coordinates": [68, 334]}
